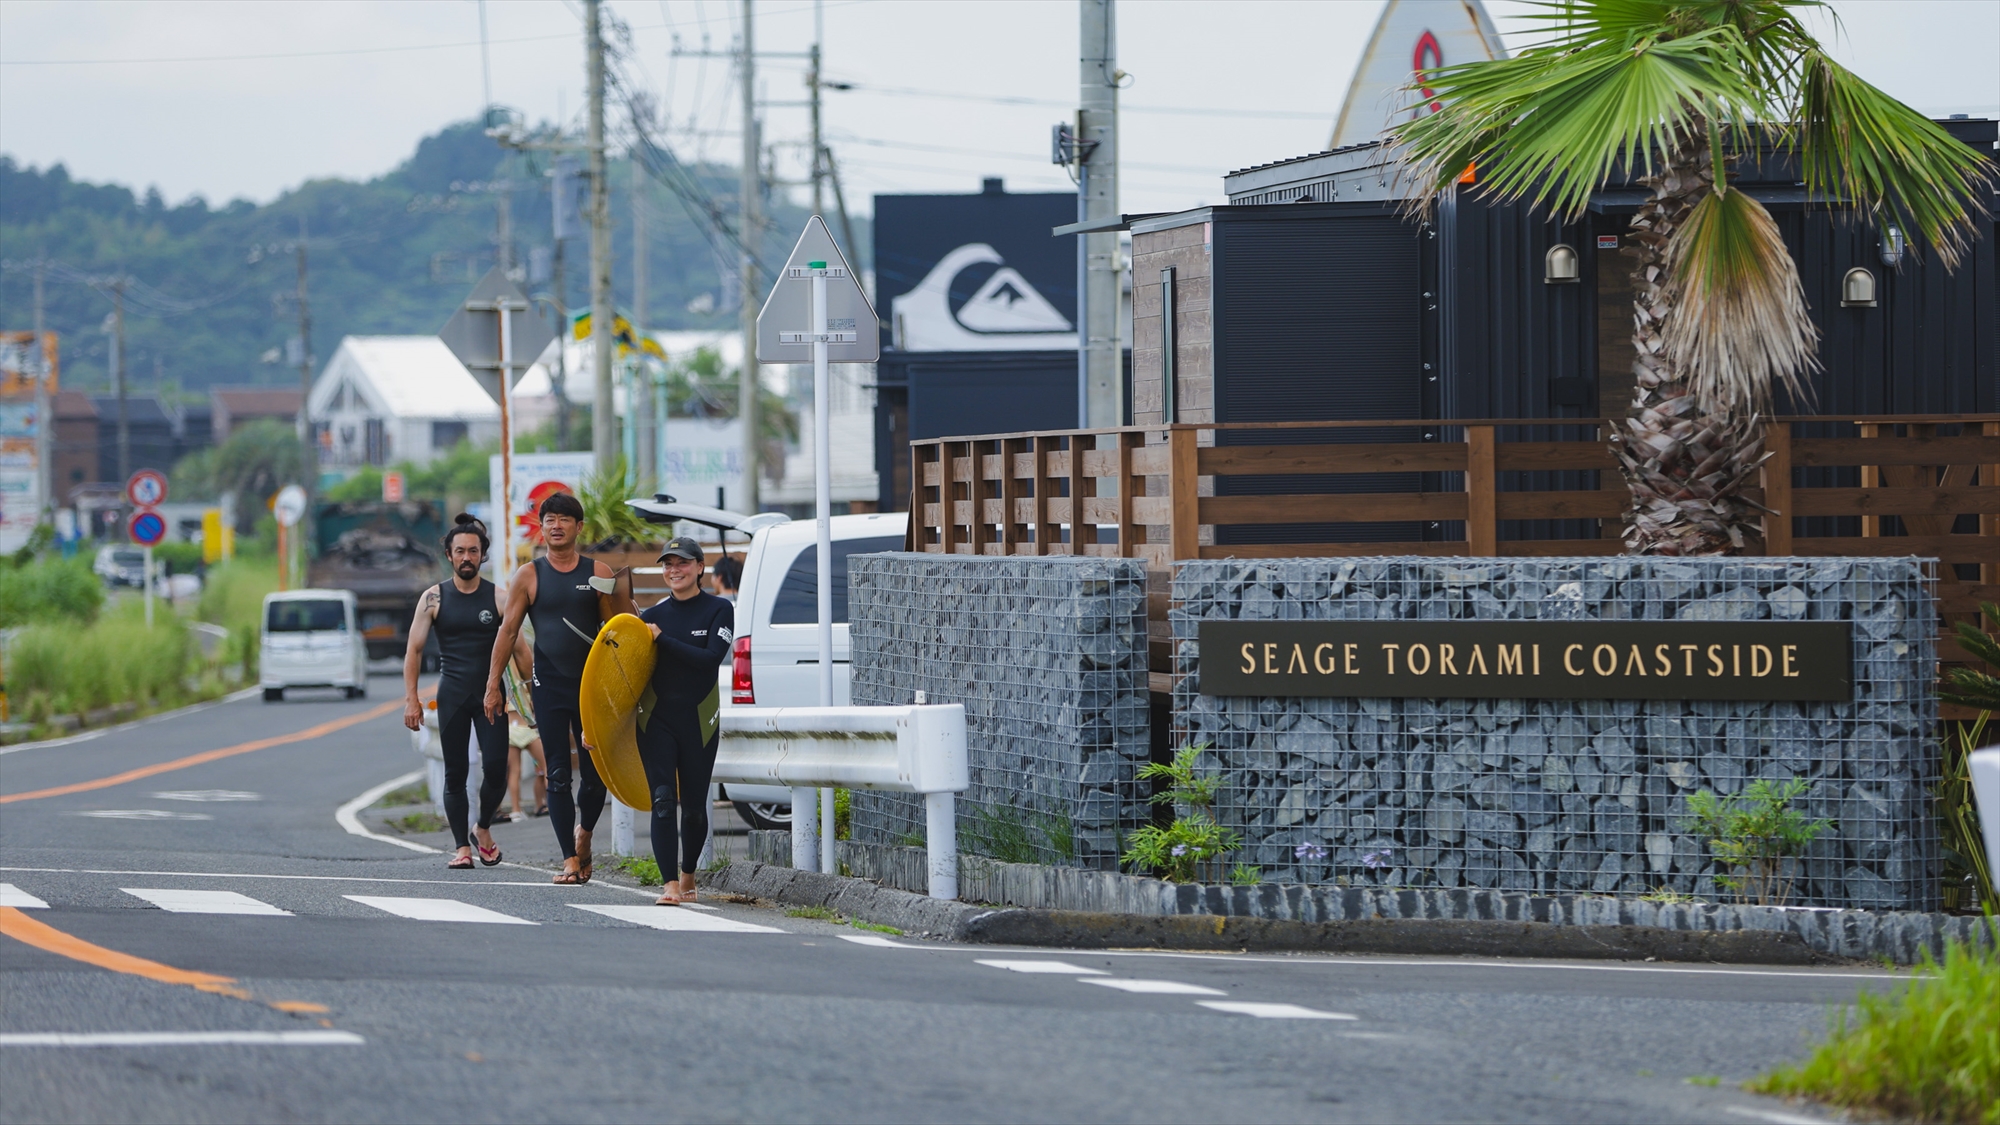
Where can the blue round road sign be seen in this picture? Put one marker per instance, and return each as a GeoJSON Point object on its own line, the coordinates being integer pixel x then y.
{"type": "Point", "coordinates": [148, 527]}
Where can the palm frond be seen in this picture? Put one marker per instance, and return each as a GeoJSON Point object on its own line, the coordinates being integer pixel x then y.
{"type": "Point", "coordinates": [1740, 324]}
{"type": "Point", "coordinates": [1551, 125]}
{"type": "Point", "coordinates": [1857, 141]}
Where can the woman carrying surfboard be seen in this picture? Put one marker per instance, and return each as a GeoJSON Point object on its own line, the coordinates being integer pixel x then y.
{"type": "Point", "coordinates": [569, 595]}
{"type": "Point", "coordinates": [692, 632]}
{"type": "Point", "coordinates": [463, 614]}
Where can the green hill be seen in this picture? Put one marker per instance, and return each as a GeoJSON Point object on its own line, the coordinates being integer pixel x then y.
{"type": "Point", "coordinates": [395, 254]}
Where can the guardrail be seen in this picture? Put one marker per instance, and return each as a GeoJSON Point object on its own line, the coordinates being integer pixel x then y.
{"type": "Point", "coordinates": [913, 749]}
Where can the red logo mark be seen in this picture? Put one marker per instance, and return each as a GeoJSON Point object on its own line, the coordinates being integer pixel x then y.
{"type": "Point", "coordinates": [1428, 56]}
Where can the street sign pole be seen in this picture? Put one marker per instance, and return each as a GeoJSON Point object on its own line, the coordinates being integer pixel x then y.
{"type": "Point", "coordinates": [149, 587]}
{"type": "Point", "coordinates": [503, 572]}
{"type": "Point", "coordinates": [823, 513]}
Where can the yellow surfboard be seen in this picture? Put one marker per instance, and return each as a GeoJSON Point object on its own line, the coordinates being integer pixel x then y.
{"type": "Point", "coordinates": [617, 691]}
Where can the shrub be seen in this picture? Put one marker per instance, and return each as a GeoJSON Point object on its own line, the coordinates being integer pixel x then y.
{"type": "Point", "coordinates": [1755, 832]}
{"type": "Point", "coordinates": [117, 660]}
{"type": "Point", "coordinates": [1928, 1052]}
{"type": "Point", "coordinates": [49, 590]}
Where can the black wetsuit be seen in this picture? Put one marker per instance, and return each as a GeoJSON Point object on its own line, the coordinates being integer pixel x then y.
{"type": "Point", "coordinates": [465, 627]}
{"type": "Point", "coordinates": [566, 621]}
{"type": "Point", "coordinates": [678, 740]}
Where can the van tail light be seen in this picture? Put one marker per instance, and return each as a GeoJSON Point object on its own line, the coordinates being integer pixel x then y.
{"type": "Point", "coordinates": [741, 690]}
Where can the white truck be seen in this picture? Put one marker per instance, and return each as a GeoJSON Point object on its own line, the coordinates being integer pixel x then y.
{"type": "Point", "coordinates": [775, 662]}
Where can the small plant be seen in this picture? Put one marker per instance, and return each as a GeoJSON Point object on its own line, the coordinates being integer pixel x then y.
{"type": "Point", "coordinates": [1180, 848]}
{"type": "Point", "coordinates": [643, 868]}
{"type": "Point", "coordinates": [1705, 1080]}
{"type": "Point", "coordinates": [1309, 852]}
{"type": "Point", "coordinates": [843, 802]}
{"type": "Point", "coordinates": [419, 822]}
{"type": "Point", "coordinates": [1379, 860]}
{"type": "Point", "coordinates": [414, 794]}
{"type": "Point", "coordinates": [874, 927]}
{"type": "Point", "coordinates": [1970, 687]}
{"type": "Point", "coordinates": [1927, 1052]}
{"type": "Point", "coordinates": [1754, 833]}
{"type": "Point", "coordinates": [1244, 875]}
{"type": "Point", "coordinates": [912, 839]}
{"type": "Point", "coordinates": [820, 913]}
{"type": "Point", "coordinates": [1184, 786]}
{"type": "Point", "coordinates": [1667, 896]}
{"type": "Point", "coordinates": [718, 863]}
{"type": "Point", "coordinates": [1967, 880]}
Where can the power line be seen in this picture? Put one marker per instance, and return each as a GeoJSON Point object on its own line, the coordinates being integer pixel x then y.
{"type": "Point", "coordinates": [1124, 107]}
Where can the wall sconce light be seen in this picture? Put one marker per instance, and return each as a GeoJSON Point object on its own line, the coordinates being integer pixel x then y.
{"type": "Point", "coordinates": [1892, 246]}
{"type": "Point", "coordinates": [1857, 289]}
{"type": "Point", "coordinates": [1559, 265]}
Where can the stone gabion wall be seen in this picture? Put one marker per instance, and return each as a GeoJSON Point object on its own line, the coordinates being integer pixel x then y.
{"type": "Point", "coordinates": [1048, 655]}
{"type": "Point", "coordinates": [1571, 795]}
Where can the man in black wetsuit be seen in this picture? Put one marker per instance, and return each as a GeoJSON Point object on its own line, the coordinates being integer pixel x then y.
{"type": "Point", "coordinates": [569, 596]}
{"type": "Point", "coordinates": [466, 618]}
{"type": "Point", "coordinates": [692, 631]}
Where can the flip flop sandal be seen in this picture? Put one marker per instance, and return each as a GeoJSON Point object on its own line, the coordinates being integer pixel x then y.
{"type": "Point", "coordinates": [460, 863]}
{"type": "Point", "coordinates": [485, 851]}
{"type": "Point", "coordinates": [663, 900]}
{"type": "Point", "coordinates": [566, 879]}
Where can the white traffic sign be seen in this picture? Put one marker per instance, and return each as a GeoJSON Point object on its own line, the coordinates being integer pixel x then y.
{"type": "Point", "coordinates": [851, 331]}
{"type": "Point", "coordinates": [289, 505]}
{"type": "Point", "coordinates": [147, 488]}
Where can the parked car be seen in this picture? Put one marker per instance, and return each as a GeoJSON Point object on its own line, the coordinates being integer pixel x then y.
{"type": "Point", "coordinates": [775, 662]}
{"type": "Point", "coordinates": [312, 639]}
{"type": "Point", "coordinates": [120, 566]}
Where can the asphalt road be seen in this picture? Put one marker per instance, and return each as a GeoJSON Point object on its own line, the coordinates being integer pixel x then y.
{"type": "Point", "coordinates": [326, 992]}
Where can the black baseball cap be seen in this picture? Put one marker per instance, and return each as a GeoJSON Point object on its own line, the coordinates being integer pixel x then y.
{"type": "Point", "coordinates": [684, 547]}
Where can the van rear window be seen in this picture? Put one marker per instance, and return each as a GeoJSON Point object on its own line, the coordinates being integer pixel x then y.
{"type": "Point", "coordinates": [798, 597]}
{"type": "Point", "coordinates": [306, 617]}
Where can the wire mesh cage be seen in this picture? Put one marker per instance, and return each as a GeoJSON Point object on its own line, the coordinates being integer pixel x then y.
{"type": "Point", "coordinates": [1048, 655]}
{"type": "Point", "coordinates": [1572, 796]}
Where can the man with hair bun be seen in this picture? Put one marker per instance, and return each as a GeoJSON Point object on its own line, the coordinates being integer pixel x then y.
{"type": "Point", "coordinates": [466, 617]}
{"type": "Point", "coordinates": [569, 596]}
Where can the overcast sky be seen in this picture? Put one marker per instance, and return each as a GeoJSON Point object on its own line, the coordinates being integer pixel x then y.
{"type": "Point", "coordinates": [230, 99]}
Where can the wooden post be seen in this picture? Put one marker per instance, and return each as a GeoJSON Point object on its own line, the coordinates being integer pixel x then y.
{"type": "Point", "coordinates": [1045, 528]}
{"type": "Point", "coordinates": [1989, 524]}
{"type": "Point", "coordinates": [1871, 477]}
{"type": "Point", "coordinates": [948, 494]}
{"type": "Point", "coordinates": [1777, 473]}
{"type": "Point", "coordinates": [917, 537]}
{"type": "Point", "coordinates": [978, 535]}
{"type": "Point", "coordinates": [1482, 527]}
{"type": "Point", "coordinates": [1183, 485]}
{"type": "Point", "coordinates": [1010, 496]}
{"type": "Point", "coordinates": [1127, 539]}
{"type": "Point", "coordinates": [1081, 486]}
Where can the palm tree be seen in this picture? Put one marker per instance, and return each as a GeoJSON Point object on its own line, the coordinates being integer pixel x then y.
{"type": "Point", "coordinates": [1681, 90]}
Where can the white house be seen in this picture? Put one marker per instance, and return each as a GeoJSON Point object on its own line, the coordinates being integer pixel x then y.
{"type": "Point", "coordinates": [386, 399]}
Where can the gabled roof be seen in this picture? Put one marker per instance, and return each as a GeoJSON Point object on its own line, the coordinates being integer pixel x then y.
{"type": "Point", "coordinates": [247, 402]}
{"type": "Point", "coordinates": [403, 377]}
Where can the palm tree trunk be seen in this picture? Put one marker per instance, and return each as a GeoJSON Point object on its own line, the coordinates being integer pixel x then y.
{"type": "Point", "coordinates": [1685, 462]}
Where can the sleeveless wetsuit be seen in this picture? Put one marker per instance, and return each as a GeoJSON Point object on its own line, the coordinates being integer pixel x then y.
{"type": "Point", "coordinates": [678, 740]}
{"type": "Point", "coordinates": [465, 627]}
{"type": "Point", "coordinates": [566, 621]}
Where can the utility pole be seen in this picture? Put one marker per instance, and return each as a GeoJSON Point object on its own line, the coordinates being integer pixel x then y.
{"type": "Point", "coordinates": [1101, 354]}
{"type": "Point", "coordinates": [639, 412]}
{"type": "Point", "coordinates": [818, 145]}
{"type": "Point", "coordinates": [752, 231]}
{"type": "Point", "coordinates": [118, 377]}
{"type": "Point", "coordinates": [308, 449]}
{"type": "Point", "coordinates": [603, 413]}
{"type": "Point", "coordinates": [45, 415]}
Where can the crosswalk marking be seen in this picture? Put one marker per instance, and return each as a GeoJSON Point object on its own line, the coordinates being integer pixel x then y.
{"type": "Point", "coordinates": [437, 910]}
{"type": "Point", "coordinates": [11, 895]}
{"type": "Point", "coordinates": [674, 918]}
{"type": "Point", "coordinates": [877, 942]}
{"type": "Point", "coordinates": [1154, 987]}
{"type": "Point", "coordinates": [180, 901]}
{"type": "Point", "coordinates": [180, 1039]}
{"type": "Point", "coordinates": [1272, 1011]}
{"type": "Point", "coordinates": [1044, 967]}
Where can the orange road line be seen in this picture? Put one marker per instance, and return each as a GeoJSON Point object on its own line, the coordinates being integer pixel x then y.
{"type": "Point", "coordinates": [24, 929]}
{"type": "Point", "coordinates": [205, 756]}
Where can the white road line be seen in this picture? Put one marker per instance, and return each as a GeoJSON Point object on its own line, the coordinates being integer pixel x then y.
{"type": "Point", "coordinates": [876, 941]}
{"type": "Point", "coordinates": [1773, 1116]}
{"type": "Point", "coordinates": [143, 814]}
{"type": "Point", "coordinates": [181, 1039]}
{"type": "Point", "coordinates": [347, 815]}
{"type": "Point", "coordinates": [11, 895]}
{"type": "Point", "coordinates": [91, 735]}
{"type": "Point", "coordinates": [438, 910]}
{"type": "Point", "coordinates": [178, 901]}
{"type": "Point", "coordinates": [208, 795]}
{"type": "Point", "coordinates": [1394, 961]}
{"type": "Point", "coordinates": [1044, 967]}
{"type": "Point", "coordinates": [1272, 1011]}
{"type": "Point", "coordinates": [673, 918]}
{"type": "Point", "coordinates": [1153, 987]}
{"type": "Point", "coordinates": [465, 882]}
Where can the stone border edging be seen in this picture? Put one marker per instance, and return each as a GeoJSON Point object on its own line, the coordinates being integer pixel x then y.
{"type": "Point", "coordinates": [857, 898]}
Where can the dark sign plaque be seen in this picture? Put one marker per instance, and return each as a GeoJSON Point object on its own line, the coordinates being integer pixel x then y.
{"type": "Point", "coordinates": [1754, 660]}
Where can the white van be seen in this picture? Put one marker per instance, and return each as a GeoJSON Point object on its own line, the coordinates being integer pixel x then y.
{"type": "Point", "coordinates": [311, 639]}
{"type": "Point", "coordinates": [776, 658]}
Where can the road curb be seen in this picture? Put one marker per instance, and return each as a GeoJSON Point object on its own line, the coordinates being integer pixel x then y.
{"type": "Point", "coordinates": [1081, 929]}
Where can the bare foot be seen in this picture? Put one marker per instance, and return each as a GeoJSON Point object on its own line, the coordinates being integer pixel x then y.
{"type": "Point", "coordinates": [568, 876]}
{"type": "Point", "coordinates": [583, 856]}
{"type": "Point", "coordinates": [672, 896]}
{"type": "Point", "coordinates": [462, 861]}
{"type": "Point", "coordinates": [687, 889]}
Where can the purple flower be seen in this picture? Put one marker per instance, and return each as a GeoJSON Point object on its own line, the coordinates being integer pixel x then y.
{"type": "Point", "coordinates": [1376, 861]}
{"type": "Point", "coordinates": [1309, 852]}
{"type": "Point", "coordinates": [1180, 849]}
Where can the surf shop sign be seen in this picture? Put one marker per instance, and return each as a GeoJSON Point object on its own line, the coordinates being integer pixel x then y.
{"type": "Point", "coordinates": [1746, 660]}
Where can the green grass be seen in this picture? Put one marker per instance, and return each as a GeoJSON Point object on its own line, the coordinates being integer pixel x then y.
{"type": "Point", "coordinates": [874, 927]}
{"type": "Point", "coordinates": [1705, 1080]}
{"type": "Point", "coordinates": [414, 794]}
{"type": "Point", "coordinates": [420, 822]}
{"type": "Point", "coordinates": [1929, 1051]}
{"type": "Point", "coordinates": [72, 667]}
{"type": "Point", "coordinates": [232, 596]}
{"type": "Point", "coordinates": [49, 590]}
{"type": "Point", "coordinates": [821, 913]}
{"type": "Point", "coordinates": [644, 868]}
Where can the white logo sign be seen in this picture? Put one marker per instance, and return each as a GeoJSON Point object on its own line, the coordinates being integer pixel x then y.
{"type": "Point", "coordinates": [1005, 313]}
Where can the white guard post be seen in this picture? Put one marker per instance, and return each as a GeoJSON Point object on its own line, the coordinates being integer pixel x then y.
{"type": "Point", "coordinates": [914, 749]}
{"type": "Point", "coordinates": [1985, 770]}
